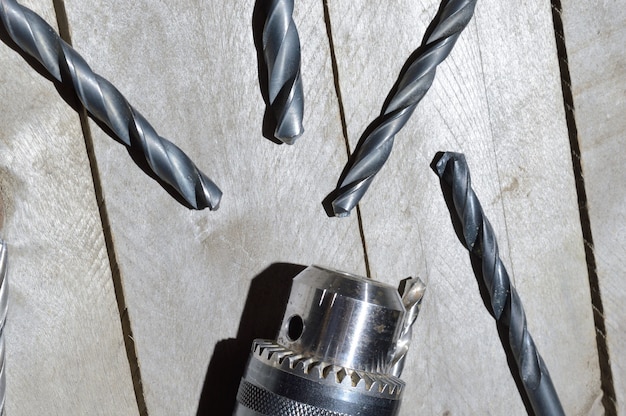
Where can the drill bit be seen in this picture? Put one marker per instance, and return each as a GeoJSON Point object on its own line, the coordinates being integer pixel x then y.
{"type": "Point", "coordinates": [374, 148]}
{"type": "Point", "coordinates": [4, 301]}
{"type": "Point", "coordinates": [106, 104]}
{"type": "Point", "coordinates": [281, 50]}
{"type": "Point", "coordinates": [507, 307]}
{"type": "Point", "coordinates": [412, 296]}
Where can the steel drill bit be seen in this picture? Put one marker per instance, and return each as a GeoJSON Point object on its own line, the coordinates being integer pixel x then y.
{"type": "Point", "coordinates": [4, 301]}
{"type": "Point", "coordinates": [106, 104]}
{"type": "Point", "coordinates": [281, 50]}
{"type": "Point", "coordinates": [507, 307]}
{"type": "Point", "coordinates": [412, 296]}
{"type": "Point", "coordinates": [374, 148]}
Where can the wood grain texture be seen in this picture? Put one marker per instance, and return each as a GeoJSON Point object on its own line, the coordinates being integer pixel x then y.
{"type": "Point", "coordinates": [65, 351]}
{"type": "Point", "coordinates": [497, 98]}
{"type": "Point", "coordinates": [198, 285]}
{"type": "Point", "coordinates": [595, 39]}
{"type": "Point", "coordinates": [191, 68]}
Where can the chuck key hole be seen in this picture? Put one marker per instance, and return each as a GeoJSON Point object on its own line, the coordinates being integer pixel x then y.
{"type": "Point", "coordinates": [295, 328]}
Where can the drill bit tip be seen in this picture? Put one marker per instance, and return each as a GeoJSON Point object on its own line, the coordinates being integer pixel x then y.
{"type": "Point", "coordinates": [340, 212]}
{"type": "Point", "coordinates": [444, 158]}
{"type": "Point", "coordinates": [413, 293]}
{"type": "Point", "coordinates": [289, 139]}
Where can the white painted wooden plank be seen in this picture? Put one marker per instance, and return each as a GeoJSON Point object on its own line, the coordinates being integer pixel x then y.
{"type": "Point", "coordinates": [65, 351]}
{"type": "Point", "coordinates": [191, 68]}
{"type": "Point", "coordinates": [595, 36]}
{"type": "Point", "coordinates": [497, 98]}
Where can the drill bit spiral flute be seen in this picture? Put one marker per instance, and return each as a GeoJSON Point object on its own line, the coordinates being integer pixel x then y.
{"type": "Point", "coordinates": [281, 50]}
{"type": "Point", "coordinates": [106, 104]}
{"type": "Point", "coordinates": [373, 149]}
{"type": "Point", "coordinates": [412, 296]}
{"type": "Point", "coordinates": [4, 301]}
{"type": "Point", "coordinates": [507, 307]}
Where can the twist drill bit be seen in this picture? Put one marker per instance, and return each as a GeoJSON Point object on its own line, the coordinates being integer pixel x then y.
{"type": "Point", "coordinates": [374, 148]}
{"type": "Point", "coordinates": [4, 301]}
{"type": "Point", "coordinates": [281, 50]}
{"type": "Point", "coordinates": [412, 296]}
{"type": "Point", "coordinates": [106, 104]}
{"type": "Point", "coordinates": [507, 307]}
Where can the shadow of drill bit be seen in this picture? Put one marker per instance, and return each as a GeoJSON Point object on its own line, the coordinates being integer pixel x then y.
{"type": "Point", "coordinates": [261, 318]}
{"type": "Point", "coordinates": [482, 287]}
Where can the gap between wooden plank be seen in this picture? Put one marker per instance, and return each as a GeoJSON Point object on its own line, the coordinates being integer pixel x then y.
{"type": "Point", "coordinates": [606, 374]}
{"type": "Point", "coordinates": [344, 126]}
{"type": "Point", "coordinates": [129, 344]}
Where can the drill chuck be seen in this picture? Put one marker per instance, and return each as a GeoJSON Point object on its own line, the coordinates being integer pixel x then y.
{"type": "Point", "coordinates": [334, 353]}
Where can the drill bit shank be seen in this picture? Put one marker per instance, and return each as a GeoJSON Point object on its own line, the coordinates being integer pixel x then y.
{"type": "Point", "coordinates": [105, 103]}
{"type": "Point", "coordinates": [281, 50]}
{"type": "Point", "coordinates": [374, 149]}
{"type": "Point", "coordinates": [507, 307]}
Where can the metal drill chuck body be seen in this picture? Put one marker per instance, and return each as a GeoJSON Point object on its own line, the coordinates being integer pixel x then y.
{"type": "Point", "coordinates": [334, 353]}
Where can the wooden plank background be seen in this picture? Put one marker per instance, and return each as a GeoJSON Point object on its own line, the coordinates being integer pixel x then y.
{"type": "Point", "coordinates": [597, 61]}
{"type": "Point", "coordinates": [196, 287]}
{"type": "Point", "coordinates": [65, 351]}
